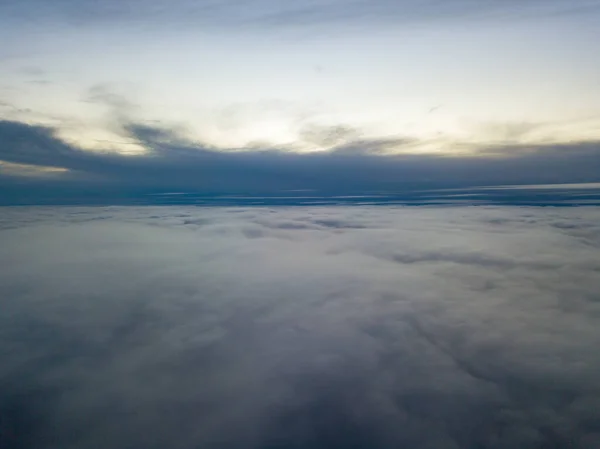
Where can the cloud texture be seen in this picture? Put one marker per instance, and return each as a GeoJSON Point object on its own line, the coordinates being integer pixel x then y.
{"type": "Point", "coordinates": [363, 327]}
{"type": "Point", "coordinates": [269, 12]}
{"type": "Point", "coordinates": [176, 164]}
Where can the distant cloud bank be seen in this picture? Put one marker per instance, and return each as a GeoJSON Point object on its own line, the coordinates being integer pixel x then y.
{"type": "Point", "coordinates": [39, 168]}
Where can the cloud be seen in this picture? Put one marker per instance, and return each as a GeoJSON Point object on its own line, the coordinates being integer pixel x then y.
{"type": "Point", "coordinates": [299, 327]}
{"type": "Point", "coordinates": [275, 14]}
{"type": "Point", "coordinates": [352, 168]}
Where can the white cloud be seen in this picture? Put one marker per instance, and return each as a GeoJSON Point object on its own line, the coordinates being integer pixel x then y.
{"type": "Point", "coordinates": [300, 327]}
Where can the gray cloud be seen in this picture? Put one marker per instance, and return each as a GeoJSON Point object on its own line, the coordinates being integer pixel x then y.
{"type": "Point", "coordinates": [277, 14]}
{"type": "Point", "coordinates": [350, 169]}
{"type": "Point", "coordinates": [305, 327]}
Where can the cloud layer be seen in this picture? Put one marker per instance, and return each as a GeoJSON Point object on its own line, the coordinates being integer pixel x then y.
{"type": "Point", "coordinates": [174, 164]}
{"type": "Point", "coordinates": [269, 12]}
{"type": "Point", "coordinates": [312, 328]}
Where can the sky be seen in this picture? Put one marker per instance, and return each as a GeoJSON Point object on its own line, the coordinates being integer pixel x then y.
{"type": "Point", "coordinates": [303, 328]}
{"type": "Point", "coordinates": [433, 79]}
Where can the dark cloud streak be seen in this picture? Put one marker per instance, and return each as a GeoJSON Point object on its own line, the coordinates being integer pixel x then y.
{"type": "Point", "coordinates": [174, 164]}
{"type": "Point", "coordinates": [276, 14]}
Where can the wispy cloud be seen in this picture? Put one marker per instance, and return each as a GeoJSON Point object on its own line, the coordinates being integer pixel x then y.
{"type": "Point", "coordinates": [274, 13]}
